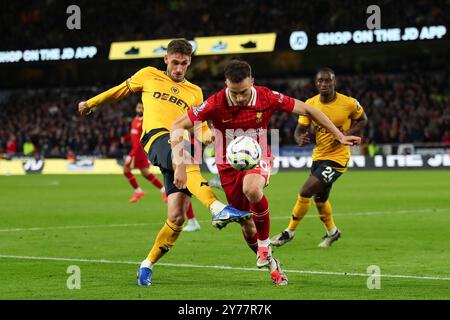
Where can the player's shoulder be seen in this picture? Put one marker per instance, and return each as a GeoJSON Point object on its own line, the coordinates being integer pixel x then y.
{"type": "Point", "coordinates": [214, 102]}
{"type": "Point", "coordinates": [344, 99]}
{"type": "Point", "coordinates": [219, 98]}
{"type": "Point", "coordinates": [149, 70]}
{"type": "Point", "coordinates": [191, 85]}
{"type": "Point", "coordinates": [219, 95]}
{"type": "Point", "coordinates": [314, 101]}
{"type": "Point", "coordinates": [265, 90]}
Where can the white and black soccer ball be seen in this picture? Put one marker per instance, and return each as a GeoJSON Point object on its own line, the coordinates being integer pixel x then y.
{"type": "Point", "coordinates": [243, 153]}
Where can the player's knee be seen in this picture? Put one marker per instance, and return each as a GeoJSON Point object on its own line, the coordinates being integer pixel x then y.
{"type": "Point", "coordinates": [253, 192]}
{"type": "Point", "coordinates": [306, 193]}
{"type": "Point", "coordinates": [177, 216]}
{"type": "Point", "coordinates": [178, 219]}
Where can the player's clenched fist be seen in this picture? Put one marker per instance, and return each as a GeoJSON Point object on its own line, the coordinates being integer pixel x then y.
{"type": "Point", "coordinates": [303, 139]}
{"type": "Point", "coordinates": [83, 108]}
{"type": "Point", "coordinates": [180, 178]}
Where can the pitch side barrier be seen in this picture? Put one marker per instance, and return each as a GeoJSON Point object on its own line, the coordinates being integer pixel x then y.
{"type": "Point", "coordinates": [281, 163]}
{"type": "Point", "coordinates": [416, 161]}
{"type": "Point", "coordinates": [81, 166]}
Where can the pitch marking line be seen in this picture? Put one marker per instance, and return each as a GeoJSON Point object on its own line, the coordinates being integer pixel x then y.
{"type": "Point", "coordinates": [428, 210]}
{"type": "Point", "coordinates": [183, 265]}
{"type": "Point", "coordinates": [78, 227]}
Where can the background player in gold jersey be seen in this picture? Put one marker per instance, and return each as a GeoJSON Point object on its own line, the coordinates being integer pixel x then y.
{"type": "Point", "coordinates": [330, 158]}
{"type": "Point", "coordinates": [167, 95]}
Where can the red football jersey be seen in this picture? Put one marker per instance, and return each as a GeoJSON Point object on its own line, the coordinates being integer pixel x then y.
{"type": "Point", "coordinates": [135, 136]}
{"type": "Point", "coordinates": [230, 120]}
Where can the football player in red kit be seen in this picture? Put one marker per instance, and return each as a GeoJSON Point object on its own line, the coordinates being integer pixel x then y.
{"type": "Point", "coordinates": [244, 109]}
{"type": "Point", "coordinates": [137, 159]}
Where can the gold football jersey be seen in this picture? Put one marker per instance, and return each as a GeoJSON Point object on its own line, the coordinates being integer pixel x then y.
{"type": "Point", "coordinates": [164, 100]}
{"type": "Point", "coordinates": [341, 111]}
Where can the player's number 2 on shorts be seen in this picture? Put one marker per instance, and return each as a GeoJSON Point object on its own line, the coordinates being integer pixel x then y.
{"type": "Point", "coordinates": [328, 174]}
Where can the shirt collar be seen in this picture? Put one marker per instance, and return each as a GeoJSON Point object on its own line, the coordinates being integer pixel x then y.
{"type": "Point", "coordinates": [232, 103]}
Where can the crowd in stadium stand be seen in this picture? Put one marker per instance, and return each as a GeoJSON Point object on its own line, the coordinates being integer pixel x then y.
{"type": "Point", "coordinates": [42, 23]}
{"type": "Point", "coordinates": [412, 106]}
{"type": "Point", "coordinates": [401, 108]}
{"type": "Point", "coordinates": [49, 119]}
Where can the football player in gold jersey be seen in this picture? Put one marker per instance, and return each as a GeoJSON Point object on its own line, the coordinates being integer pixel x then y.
{"type": "Point", "coordinates": [167, 95]}
{"type": "Point", "coordinates": [330, 158]}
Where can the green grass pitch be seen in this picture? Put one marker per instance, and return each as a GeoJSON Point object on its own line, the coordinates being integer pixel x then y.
{"type": "Point", "coordinates": [397, 220]}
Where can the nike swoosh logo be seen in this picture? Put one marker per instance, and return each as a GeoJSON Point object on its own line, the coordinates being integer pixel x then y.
{"type": "Point", "coordinates": [224, 121]}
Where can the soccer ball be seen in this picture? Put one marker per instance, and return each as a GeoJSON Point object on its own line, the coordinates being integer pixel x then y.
{"type": "Point", "coordinates": [243, 153]}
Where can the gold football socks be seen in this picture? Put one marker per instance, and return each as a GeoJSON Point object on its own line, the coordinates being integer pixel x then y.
{"type": "Point", "coordinates": [165, 240]}
{"type": "Point", "coordinates": [325, 214]}
{"type": "Point", "coordinates": [300, 209]}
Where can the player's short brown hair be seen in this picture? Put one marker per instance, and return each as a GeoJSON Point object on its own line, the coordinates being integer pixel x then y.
{"type": "Point", "coordinates": [181, 46]}
{"type": "Point", "coordinates": [237, 70]}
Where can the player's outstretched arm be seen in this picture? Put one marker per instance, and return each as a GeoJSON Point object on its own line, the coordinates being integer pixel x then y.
{"type": "Point", "coordinates": [320, 118]}
{"type": "Point", "coordinates": [179, 128]}
{"type": "Point", "coordinates": [114, 94]}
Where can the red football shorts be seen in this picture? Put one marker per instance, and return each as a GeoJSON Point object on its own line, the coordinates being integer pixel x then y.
{"type": "Point", "coordinates": [233, 181]}
{"type": "Point", "coordinates": [136, 161]}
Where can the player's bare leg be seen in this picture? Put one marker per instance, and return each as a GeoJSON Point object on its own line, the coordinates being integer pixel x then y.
{"type": "Point", "coordinates": [249, 232]}
{"type": "Point", "coordinates": [177, 204]}
{"type": "Point", "coordinates": [311, 187]}
{"type": "Point", "coordinates": [155, 181]}
{"type": "Point", "coordinates": [138, 192]}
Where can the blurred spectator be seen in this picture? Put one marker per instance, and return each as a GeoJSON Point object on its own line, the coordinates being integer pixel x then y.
{"type": "Point", "coordinates": [28, 147]}
{"type": "Point", "coordinates": [446, 138]}
{"type": "Point", "coordinates": [372, 149]}
{"type": "Point", "coordinates": [402, 108]}
{"type": "Point", "coordinates": [42, 23]}
{"type": "Point", "coordinates": [49, 122]}
{"type": "Point", "coordinates": [11, 145]}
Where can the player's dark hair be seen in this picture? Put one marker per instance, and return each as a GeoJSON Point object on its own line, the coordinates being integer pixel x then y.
{"type": "Point", "coordinates": [237, 70]}
{"type": "Point", "coordinates": [329, 70]}
{"type": "Point", "coordinates": [181, 46]}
